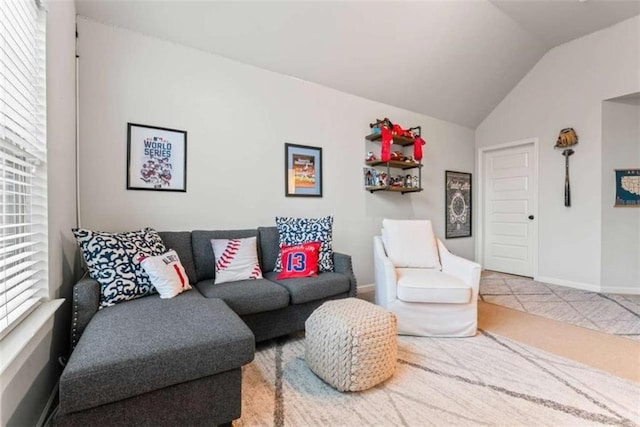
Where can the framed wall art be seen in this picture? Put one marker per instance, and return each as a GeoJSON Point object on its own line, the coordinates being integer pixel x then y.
{"type": "Point", "coordinates": [156, 158]}
{"type": "Point", "coordinates": [303, 171]}
{"type": "Point", "coordinates": [627, 188]}
{"type": "Point", "coordinates": [457, 204]}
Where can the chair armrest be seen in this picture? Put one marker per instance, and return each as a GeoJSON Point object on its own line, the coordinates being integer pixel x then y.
{"type": "Point", "coordinates": [467, 271]}
{"type": "Point", "coordinates": [342, 264]}
{"type": "Point", "coordinates": [385, 274]}
{"type": "Point", "coordinates": [86, 301]}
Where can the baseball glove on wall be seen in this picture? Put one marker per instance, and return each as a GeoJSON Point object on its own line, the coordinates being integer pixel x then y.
{"type": "Point", "coordinates": [567, 138]}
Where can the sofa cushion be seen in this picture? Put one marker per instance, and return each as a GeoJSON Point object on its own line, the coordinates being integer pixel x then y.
{"type": "Point", "coordinates": [112, 259]}
{"type": "Point", "coordinates": [180, 241]}
{"type": "Point", "coordinates": [149, 343]}
{"type": "Point", "coordinates": [203, 252]}
{"type": "Point", "coordinates": [326, 284]}
{"type": "Point", "coordinates": [247, 296]}
{"type": "Point", "coordinates": [269, 247]}
{"type": "Point", "coordinates": [428, 285]}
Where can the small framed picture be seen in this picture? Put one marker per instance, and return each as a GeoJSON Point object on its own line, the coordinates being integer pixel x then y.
{"type": "Point", "coordinates": [457, 204]}
{"type": "Point", "coordinates": [627, 188]}
{"type": "Point", "coordinates": [303, 171]}
{"type": "Point", "coordinates": [156, 158]}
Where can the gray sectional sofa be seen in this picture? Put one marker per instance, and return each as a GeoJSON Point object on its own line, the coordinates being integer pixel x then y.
{"type": "Point", "coordinates": [178, 361]}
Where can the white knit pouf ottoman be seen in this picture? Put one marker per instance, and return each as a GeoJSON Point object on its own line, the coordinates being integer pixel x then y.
{"type": "Point", "coordinates": [351, 344]}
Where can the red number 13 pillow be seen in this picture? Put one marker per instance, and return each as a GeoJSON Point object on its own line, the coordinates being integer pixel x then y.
{"type": "Point", "coordinates": [299, 261]}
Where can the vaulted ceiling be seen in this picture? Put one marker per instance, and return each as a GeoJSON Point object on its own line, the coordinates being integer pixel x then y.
{"type": "Point", "coordinates": [451, 59]}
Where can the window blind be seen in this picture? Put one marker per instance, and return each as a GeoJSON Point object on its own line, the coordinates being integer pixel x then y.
{"type": "Point", "coordinates": [23, 183]}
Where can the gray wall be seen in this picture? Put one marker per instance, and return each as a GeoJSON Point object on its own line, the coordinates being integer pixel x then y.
{"type": "Point", "coordinates": [35, 377]}
{"type": "Point", "coordinates": [238, 118]}
{"type": "Point", "coordinates": [620, 226]}
{"type": "Point", "coordinates": [566, 89]}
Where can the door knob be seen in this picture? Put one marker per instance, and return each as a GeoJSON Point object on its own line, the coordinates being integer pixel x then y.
{"type": "Point", "coordinates": [530, 216]}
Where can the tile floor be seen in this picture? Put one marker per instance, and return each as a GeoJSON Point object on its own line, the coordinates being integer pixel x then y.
{"type": "Point", "coordinates": [610, 313]}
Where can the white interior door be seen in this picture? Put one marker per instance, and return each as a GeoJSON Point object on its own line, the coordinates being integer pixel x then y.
{"type": "Point", "coordinates": [509, 208]}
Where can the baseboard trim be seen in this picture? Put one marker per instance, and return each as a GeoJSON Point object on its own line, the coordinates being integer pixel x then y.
{"type": "Point", "coordinates": [568, 283]}
{"type": "Point", "coordinates": [366, 288]}
{"type": "Point", "coordinates": [628, 290]}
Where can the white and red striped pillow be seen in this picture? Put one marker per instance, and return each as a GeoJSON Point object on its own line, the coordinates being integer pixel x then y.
{"type": "Point", "coordinates": [166, 273]}
{"type": "Point", "coordinates": [236, 259]}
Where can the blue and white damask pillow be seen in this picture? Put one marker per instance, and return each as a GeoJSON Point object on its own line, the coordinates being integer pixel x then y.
{"type": "Point", "coordinates": [296, 231]}
{"type": "Point", "coordinates": [113, 261]}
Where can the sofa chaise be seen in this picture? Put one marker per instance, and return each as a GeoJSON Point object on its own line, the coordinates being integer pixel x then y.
{"type": "Point", "coordinates": [153, 361]}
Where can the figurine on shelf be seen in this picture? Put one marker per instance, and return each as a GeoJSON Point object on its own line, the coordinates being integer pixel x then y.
{"type": "Point", "coordinates": [408, 181]}
{"type": "Point", "coordinates": [397, 156]}
{"type": "Point", "coordinates": [370, 177]}
{"type": "Point", "coordinates": [370, 157]}
{"type": "Point", "coordinates": [382, 179]}
{"type": "Point", "coordinates": [408, 159]}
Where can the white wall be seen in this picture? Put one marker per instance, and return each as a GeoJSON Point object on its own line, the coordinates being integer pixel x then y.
{"type": "Point", "coordinates": [238, 118]}
{"type": "Point", "coordinates": [566, 89]}
{"type": "Point", "coordinates": [620, 226]}
{"type": "Point", "coordinates": [30, 380]}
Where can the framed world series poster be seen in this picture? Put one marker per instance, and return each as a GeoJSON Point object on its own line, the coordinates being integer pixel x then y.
{"type": "Point", "coordinates": [156, 158]}
{"type": "Point", "coordinates": [457, 204]}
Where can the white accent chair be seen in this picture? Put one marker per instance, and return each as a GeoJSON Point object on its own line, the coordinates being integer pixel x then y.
{"type": "Point", "coordinates": [431, 291]}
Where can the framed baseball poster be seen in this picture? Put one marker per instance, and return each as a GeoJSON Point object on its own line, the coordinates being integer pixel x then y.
{"type": "Point", "coordinates": [156, 158]}
{"type": "Point", "coordinates": [302, 171]}
{"type": "Point", "coordinates": [457, 204]}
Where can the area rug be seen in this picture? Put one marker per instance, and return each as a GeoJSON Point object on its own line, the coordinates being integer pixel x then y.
{"type": "Point", "coordinates": [609, 313]}
{"type": "Point", "coordinates": [484, 380]}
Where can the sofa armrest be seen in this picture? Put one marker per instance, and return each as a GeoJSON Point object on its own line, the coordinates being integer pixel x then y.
{"type": "Point", "coordinates": [467, 271]}
{"type": "Point", "coordinates": [342, 264]}
{"type": "Point", "coordinates": [385, 277]}
{"type": "Point", "coordinates": [86, 301]}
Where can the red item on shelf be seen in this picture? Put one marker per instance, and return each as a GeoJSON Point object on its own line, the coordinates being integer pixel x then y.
{"type": "Point", "coordinates": [397, 130]}
{"type": "Point", "coordinates": [417, 148]}
{"type": "Point", "coordinates": [385, 154]}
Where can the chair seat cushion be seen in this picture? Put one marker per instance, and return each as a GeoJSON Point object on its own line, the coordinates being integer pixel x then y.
{"type": "Point", "coordinates": [431, 286]}
{"type": "Point", "coordinates": [247, 296]}
{"type": "Point", "coordinates": [324, 285]}
{"type": "Point", "coordinates": [150, 343]}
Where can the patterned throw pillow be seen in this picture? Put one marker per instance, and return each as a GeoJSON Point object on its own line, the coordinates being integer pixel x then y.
{"type": "Point", "coordinates": [166, 274]}
{"type": "Point", "coordinates": [296, 231]}
{"type": "Point", "coordinates": [236, 259]}
{"type": "Point", "coordinates": [112, 259]}
{"type": "Point", "coordinates": [299, 261]}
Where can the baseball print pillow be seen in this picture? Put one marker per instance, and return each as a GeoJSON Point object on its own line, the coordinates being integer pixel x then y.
{"type": "Point", "coordinates": [236, 259]}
